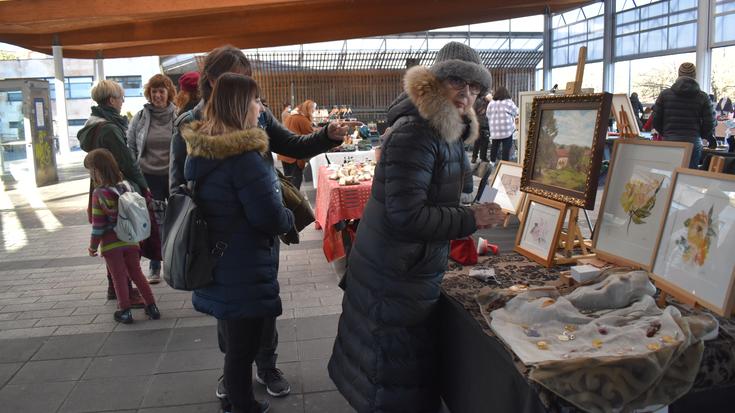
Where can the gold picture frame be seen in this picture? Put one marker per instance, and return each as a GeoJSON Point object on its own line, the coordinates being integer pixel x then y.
{"type": "Point", "coordinates": [538, 234]}
{"type": "Point", "coordinates": [566, 141]}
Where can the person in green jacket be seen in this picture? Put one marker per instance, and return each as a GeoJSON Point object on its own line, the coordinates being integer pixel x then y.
{"type": "Point", "coordinates": [106, 128]}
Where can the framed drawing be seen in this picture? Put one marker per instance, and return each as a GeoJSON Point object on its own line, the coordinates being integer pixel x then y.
{"type": "Point", "coordinates": [621, 101]}
{"type": "Point", "coordinates": [525, 106]}
{"type": "Point", "coordinates": [694, 256]}
{"type": "Point", "coordinates": [565, 146]}
{"type": "Point", "coordinates": [504, 187]}
{"type": "Point", "coordinates": [635, 199]}
{"type": "Point", "coordinates": [538, 234]}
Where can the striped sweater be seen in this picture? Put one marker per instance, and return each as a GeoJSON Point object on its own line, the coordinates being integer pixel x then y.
{"type": "Point", "coordinates": [104, 218]}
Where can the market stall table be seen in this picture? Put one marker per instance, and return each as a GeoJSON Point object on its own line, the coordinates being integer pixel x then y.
{"type": "Point", "coordinates": [337, 158]}
{"type": "Point", "coordinates": [335, 204]}
{"type": "Point", "coordinates": [479, 373]}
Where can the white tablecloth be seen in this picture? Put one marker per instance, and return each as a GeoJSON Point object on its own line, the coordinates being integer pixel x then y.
{"type": "Point", "coordinates": [337, 158]}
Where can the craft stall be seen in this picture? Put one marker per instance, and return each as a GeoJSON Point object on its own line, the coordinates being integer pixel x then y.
{"type": "Point", "coordinates": [635, 317]}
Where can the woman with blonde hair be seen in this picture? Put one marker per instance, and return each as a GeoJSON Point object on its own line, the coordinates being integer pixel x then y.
{"type": "Point", "coordinates": [237, 188]}
{"type": "Point", "coordinates": [301, 123]}
{"type": "Point", "coordinates": [149, 140]}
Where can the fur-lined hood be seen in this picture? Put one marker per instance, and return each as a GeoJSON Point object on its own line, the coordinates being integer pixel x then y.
{"type": "Point", "coordinates": [223, 146]}
{"type": "Point", "coordinates": [426, 92]}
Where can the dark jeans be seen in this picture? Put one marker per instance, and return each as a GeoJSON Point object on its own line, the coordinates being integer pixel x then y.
{"type": "Point", "coordinates": [241, 339]}
{"type": "Point", "coordinates": [696, 157]}
{"type": "Point", "coordinates": [294, 173]}
{"type": "Point", "coordinates": [158, 184]}
{"type": "Point", "coordinates": [481, 146]}
{"type": "Point", "coordinates": [266, 357]}
{"type": "Point", "coordinates": [505, 153]}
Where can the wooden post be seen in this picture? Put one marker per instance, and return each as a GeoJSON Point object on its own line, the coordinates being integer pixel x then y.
{"type": "Point", "coordinates": [575, 88]}
{"type": "Point", "coordinates": [716, 164]}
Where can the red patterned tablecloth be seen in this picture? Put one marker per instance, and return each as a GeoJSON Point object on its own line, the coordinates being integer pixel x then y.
{"type": "Point", "coordinates": [335, 203]}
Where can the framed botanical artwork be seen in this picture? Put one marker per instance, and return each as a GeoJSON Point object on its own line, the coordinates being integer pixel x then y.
{"type": "Point", "coordinates": [504, 187]}
{"type": "Point", "coordinates": [525, 106]}
{"type": "Point", "coordinates": [694, 256]}
{"type": "Point", "coordinates": [621, 101]}
{"type": "Point", "coordinates": [538, 234]}
{"type": "Point", "coordinates": [565, 146]}
{"type": "Point", "coordinates": [635, 199]}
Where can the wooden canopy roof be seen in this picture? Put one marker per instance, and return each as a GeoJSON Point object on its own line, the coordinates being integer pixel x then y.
{"type": "Point", "coordinates": [108, 29]}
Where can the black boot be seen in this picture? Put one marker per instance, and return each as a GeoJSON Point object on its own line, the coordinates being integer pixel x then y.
{"type": "Point", "coordinates": [124, 316]}
{"type": "Point", "coordinates": [151, 310]}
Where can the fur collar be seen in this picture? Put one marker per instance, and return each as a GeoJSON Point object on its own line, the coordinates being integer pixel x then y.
{"type": "Point", "coordinates": [223, 146]}
{"type": "Point", "coordinates": [427, 93]}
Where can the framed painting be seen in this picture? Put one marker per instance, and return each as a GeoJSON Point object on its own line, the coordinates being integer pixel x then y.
{"type": "Point", "coordinates": [525, 107]}
{"type": "Point", "coordinates": [621, 101]}
{"type": "Point", "coordinates": [694, 256]}
{"type": "Point", "coordinates": [504, 187]}
{"type": "Point", "coordinates": [565, 147]}
{"type": "Point", "coordinates": [635, 199]}
{"type": "Point", "coordinates": [538, 234]}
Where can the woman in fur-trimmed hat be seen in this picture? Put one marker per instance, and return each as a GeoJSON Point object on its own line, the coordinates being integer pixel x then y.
{"type": "Point", "coordinates": [384, 357]}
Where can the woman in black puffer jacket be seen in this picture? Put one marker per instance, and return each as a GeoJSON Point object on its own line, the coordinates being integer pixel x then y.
{"type": "Point", "coordinates": [384, 357]}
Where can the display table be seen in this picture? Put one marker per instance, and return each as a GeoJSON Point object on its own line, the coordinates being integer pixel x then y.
{"type": "Point", "coordinates": [334, 204]}
{"type": "Point", "coordinates": [480, 374]}
{"type": "Point", "coordinates": [337, 158]}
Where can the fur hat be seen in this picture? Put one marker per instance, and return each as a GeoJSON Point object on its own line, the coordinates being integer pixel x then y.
{"type": "Point", "coordinates": [688, 69]}
{"type": "Point", "coordinates": [189, 81]}
{"type": "Point", "coordinates": [459, 60]}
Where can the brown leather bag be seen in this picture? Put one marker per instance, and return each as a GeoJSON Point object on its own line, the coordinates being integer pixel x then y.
{"type": "Point", "coordinates": [297, 203]}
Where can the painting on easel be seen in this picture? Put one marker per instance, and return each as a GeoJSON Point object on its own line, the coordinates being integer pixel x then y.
{"type": "Point", "coordinates": [623, 112]}
{"type": "Point", "coordinates": [694, 255]}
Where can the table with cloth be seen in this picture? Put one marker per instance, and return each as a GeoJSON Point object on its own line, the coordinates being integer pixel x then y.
{"type": "Point", "coordinates": [335, 204]}
{"type": "Point", "coordinates": [479, 373]}
{"type": "Point", "coordinates": [337, 158]}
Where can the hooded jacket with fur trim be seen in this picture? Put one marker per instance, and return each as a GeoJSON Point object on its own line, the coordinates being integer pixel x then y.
{"type": "Point", "coordinates": [384, 357]}
{"type": "Point", "coordinates": [241, 199]}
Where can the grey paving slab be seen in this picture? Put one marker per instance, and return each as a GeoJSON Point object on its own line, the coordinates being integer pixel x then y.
{"type": "Point", "coordinates": [127, 365]}
{"type": "Point", "coordinates": [287, 351]}
{"type": "Point", "coordinates": [316, 327]}
{"type": "Point", "coordinates": [315, 349]}
{"type": "Point", "coordinates": [19, 350]}
{"type": "Point", "coordinates": [286, 329]}
{"type": "Point", "coordinates": [7, 370]}
{"type": "Point", "coordinates": [43, 371]}
{"type": "Point", "coordinates": [293, 403]}
{"type": "Point", "coordinates": [315, 376]}
{"type": "Point", "coordinates": [117, 393]}
{"type": "Point", "coordinates": [34, 398]}
{"type": "Point", "coordinates": [323, 402]}
{"type": "Point", "coordinates": [131, 342]}
{"type": "Point", "coordinates": [27, 332]}
{"type": "Point", "coordinates": [193, 338]}
{"type": "Point", "coordinates": [211, 407]}
{"type": "Point", "coordinates": [182, 388]}
{"type": "Point", "coordinates": [82, 345]}
{"type": "Point", "coordinates": [191, 360]}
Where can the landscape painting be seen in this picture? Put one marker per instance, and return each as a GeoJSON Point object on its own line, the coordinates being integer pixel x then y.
{"type": "Point", "coordinates": [564, 150]}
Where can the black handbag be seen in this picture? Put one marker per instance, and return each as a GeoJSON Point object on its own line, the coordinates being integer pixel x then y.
{"type": "Point", "coordinates": [297, 203]}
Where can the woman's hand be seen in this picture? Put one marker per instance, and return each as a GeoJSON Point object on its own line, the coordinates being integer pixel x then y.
{"type": "Point", "coordinates": [487, 215]}
{"type": "Point", "coordinates": [92, 253]}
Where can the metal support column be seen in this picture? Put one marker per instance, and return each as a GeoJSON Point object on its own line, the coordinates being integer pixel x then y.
{"type": "Point", "coordinates": [62, 126]}
{"type": "Point", "coordinates": [99, 68]}
{"type": "Point", "coordinates": [704, 54]}
{"type": "Point", "coordinates": [547, 50]}
{"type": "Point", "coordinates": [608, 42]}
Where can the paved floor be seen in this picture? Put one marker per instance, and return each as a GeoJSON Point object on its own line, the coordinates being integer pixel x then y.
{"type": "Point", "coordinates": [60, 350]}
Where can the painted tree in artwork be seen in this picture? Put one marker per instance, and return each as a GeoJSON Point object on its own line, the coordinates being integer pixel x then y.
{"type": "Point", "coordinates": [546, 156]}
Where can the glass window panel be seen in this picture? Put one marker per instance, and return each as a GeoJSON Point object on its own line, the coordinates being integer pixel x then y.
{"type": "Point", "coordinates": [653, 23]}
{"type": "Point", "coordinates": [683, 36]}
{"type": "Point", "coordinates": [15, 96]}
{"type": "Point", "coordinates": [628, 28]}
{"type": "Point", "coordinates": [627, 17]}
{"type": "Point", "coordinates": [560, 33]}
{"type": "Point", "coordinates": [578, 28]}
{"type": "Point", "coordinates": [683, 17]}
{"type": "Point", "coordinates": [653, 41]}
{"type": "Point", "coordinates": [654, 10]}
{"type": "Point", "coordinates": [626, 45]}
{"type": "Point", "coordinates": [11, 124]}
{"type": "Point", "coordinates": [594, 50]}
{"type": "Point", "coordinates": [78, 87]}
{"type": "Point", "coordinates": [132, 85]}
{"type": "Point", "coordinates": [557, 21]}
{"type": "Point", "coordinates": [724, 28]}
{"type": "Point", "coordinates": [596, 25]}
{"type": "Point", "coordinates": [723, 6]}
{"type": "Point", "coordinates": [682, 4]}
{"type": "Point", "coordinates": [559, 56]}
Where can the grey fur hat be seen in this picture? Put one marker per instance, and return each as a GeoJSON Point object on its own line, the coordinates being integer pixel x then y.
{"type": "Point", "coordinates": [458, 59]}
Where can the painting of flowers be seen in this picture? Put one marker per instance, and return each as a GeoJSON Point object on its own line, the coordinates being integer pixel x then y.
{"type": "Point", "coordinates": [701, 231]}
{"type": "Point", "coordinates": [639, 199]}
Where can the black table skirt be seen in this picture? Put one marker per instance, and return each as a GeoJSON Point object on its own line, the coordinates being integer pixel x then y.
{"type": "Point", "coordinates": [478, 374]}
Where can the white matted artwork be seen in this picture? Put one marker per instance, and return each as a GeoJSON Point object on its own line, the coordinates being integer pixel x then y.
{"type": "Point", "coordinates": [538, 234]}
{"type": "Point", "coordinates": [635, 199]}
{"type": "Point", "coordinates": [504, 188]}
{"type": "Point", "coordinates": [621, 101]}
{"type": "Point", "coordinates": [694, 258]}
{"type": "Point", "coordinates": [525, 106]}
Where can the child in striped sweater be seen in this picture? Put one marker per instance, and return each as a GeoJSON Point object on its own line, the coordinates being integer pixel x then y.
{"type": "Point", "coordinates": [122, 258]}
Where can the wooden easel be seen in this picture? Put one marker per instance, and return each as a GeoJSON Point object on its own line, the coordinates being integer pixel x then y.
{"type": "Point", "coordinates": [573, 237]}
{"type": "Point", "coordinates": [624, 128]}
{"type": "Point", "coordinates": [716, 164]}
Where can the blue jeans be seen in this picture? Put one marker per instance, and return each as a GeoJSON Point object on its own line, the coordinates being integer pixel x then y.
{"type": "Point", "coordinates": [697, 147]}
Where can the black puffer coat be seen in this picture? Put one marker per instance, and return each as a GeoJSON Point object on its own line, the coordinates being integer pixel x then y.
{"type": "Point", "coordinates": [683, 112]}
{"type": "Point", "coordinates": [384, 357]}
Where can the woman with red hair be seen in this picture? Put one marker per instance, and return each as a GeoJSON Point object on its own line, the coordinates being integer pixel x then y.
{"type": "Point", "coordinates": [301, 123]}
